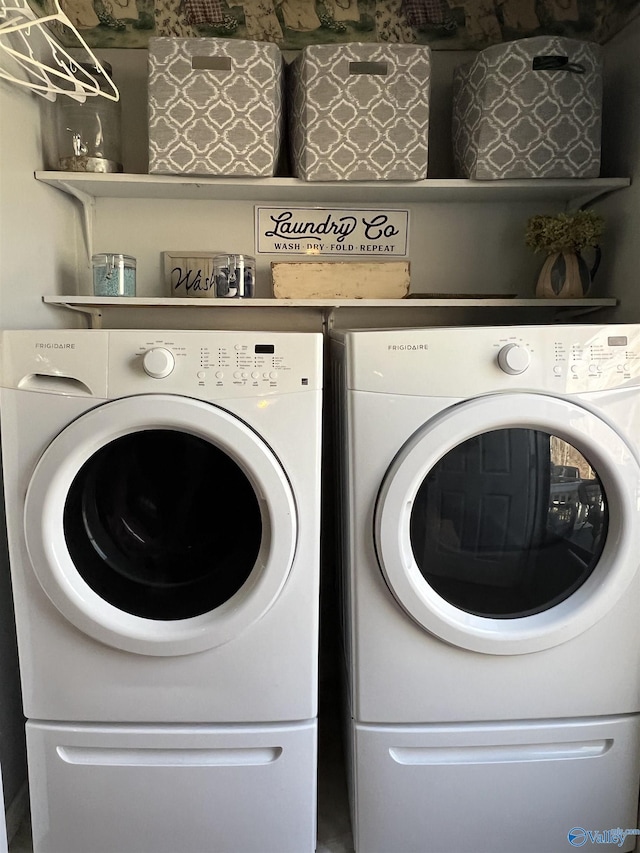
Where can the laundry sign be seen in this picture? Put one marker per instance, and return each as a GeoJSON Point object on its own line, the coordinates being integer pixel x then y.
{"type": "Point", "coordinates": [375, 233]}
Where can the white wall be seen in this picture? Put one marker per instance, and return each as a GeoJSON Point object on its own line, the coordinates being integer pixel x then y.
{"type": "Point", "coordinates": [39, 228]}
{"type": "Point", "coordinates": [621, 156]}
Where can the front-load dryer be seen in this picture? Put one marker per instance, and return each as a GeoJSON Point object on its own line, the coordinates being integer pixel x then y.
{"type": "Point", "coordinates": [163, 497]}
{"type": "Point", "coordinates": [490, 521]}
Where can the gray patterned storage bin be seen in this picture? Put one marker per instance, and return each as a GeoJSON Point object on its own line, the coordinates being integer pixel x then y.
{"type": "Point", "coordinates": [360, 112]}
{"type": "Point", "coordinates": [529, 109]}
{"type": "Point", "coordinates": [215, 107]}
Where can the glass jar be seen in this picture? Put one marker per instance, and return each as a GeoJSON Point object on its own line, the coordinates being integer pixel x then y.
{"type": "Point", "coordinates": [113, 274]}
{"type": "Point", "coordinates": [89, 136]}
{"type": "Point", "coordinates": [235, 276]}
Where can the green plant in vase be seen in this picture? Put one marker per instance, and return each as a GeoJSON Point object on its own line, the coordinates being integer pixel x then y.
{"type": "Point", "coordinates": [562, 238]}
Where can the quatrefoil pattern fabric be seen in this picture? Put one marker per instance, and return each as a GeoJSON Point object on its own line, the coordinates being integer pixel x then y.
{"type": "Point", "coordinates": [219, 120]}
{"type": "Point", "coordinates": [511, 120]}
{"type": "Point", "coordinates": [360, 112]}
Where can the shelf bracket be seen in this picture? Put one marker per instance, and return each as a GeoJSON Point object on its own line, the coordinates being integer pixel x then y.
{"type": "Point", "coordinates": [569, 313]}
{"type": "Point", "coordinates": [580, 202]}
{"type": "Point", "coordinates": [91, 312]}
{"type": "Point", "coordinates": [88, 203]}
{"type": "Point", "coordinates": [328, 319]}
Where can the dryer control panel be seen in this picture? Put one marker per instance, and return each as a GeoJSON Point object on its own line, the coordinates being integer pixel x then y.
{"type": "Point", "coordinates": [203, 364]}
{"type": "Point", "coordinates": [213, 364]}
{"type": "Point", "coordinates": [467, 362]}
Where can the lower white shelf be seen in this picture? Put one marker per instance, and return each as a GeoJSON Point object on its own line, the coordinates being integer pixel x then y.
{"type": "Point", "coordinates": [80, 302]}
{"type": "Point", "coordinates": [321, 313]}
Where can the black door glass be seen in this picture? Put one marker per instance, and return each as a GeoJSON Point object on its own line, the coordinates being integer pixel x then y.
{"type": "Point", "coordinates": [509, 523]}
{"type": "Point", "coordinates": [163, 525]}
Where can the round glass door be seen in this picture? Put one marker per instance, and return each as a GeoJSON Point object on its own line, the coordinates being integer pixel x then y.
{"type": "Point", "coordinates": [160, 525]}
{"type": "Point", "coordinates": [163, 524]}
{"type": "Point", "coordinates": [507, 524]}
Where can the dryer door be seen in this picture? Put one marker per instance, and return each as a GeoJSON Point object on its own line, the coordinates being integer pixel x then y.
{"type": "Point", "coordinates": [509, 523]}
{"type": "Point", "coordinates": [160, 525]}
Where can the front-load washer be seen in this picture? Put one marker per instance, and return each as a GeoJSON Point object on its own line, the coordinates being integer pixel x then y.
{"type": "Point", "coordinates": [490, 520]}
{"type": "Point", "coordinates": [163, 497]}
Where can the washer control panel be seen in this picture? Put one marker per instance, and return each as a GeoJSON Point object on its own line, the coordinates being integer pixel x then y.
{"type": "Point", "coordinates": [609, 358]}
{"type": "Point", "coordinates": [469, 361]}
{"type": "Point", "coordinates": [213, 364]}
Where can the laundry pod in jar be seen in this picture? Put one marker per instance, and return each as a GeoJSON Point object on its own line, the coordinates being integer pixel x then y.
{"type": "Point", "coordinates": [89, 132]}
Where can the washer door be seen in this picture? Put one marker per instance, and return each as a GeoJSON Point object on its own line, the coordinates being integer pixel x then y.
{"type": "Point", "coordinates": [509, 523]}
{"type": "Point", "coordinates": [160, 525]}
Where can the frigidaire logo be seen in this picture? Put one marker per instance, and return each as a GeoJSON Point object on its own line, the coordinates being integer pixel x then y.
{"type": "Point", "coordinates": [407, 346]}
{"type": "Point", "coordinates": [55, 346]}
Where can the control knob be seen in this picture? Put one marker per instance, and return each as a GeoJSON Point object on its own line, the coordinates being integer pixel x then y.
{"type": "Point", "coordinates": [158, 362]}
{"type": "Point", "coordinates": [514, 359]}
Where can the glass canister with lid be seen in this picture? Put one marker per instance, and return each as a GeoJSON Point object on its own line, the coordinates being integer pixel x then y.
{"type": "Point", "coordinates": [235, 276]}
{"type": "Point", "coordinates": [114, 274]}
{"type": "Point", "coordinates": [89, 133]}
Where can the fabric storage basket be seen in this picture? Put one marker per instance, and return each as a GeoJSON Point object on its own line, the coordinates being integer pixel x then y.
{"type": "Point", "coordinates": [215, 107]}
{"type": "Point", "coordinates": [360, 112]}
{"type": "Point", "coordinates": [529, 109]}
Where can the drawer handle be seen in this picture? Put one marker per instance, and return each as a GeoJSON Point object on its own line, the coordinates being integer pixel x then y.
{"type": "Point", "coordinates": [500, 753]}
{"type": "Point", "coordinates": [53, 384]}
{"type": "Point", "coordinates": [140, 757]}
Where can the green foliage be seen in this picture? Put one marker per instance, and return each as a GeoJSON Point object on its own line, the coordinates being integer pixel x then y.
{"type": "Point", "coordinates": [566, 231]}
{"type": "Point", "coordinates": [328, 22]}
{"type": "Point", "coordinates": [366, 24]}
{"type": "Point", "coordinates": [144, 22]}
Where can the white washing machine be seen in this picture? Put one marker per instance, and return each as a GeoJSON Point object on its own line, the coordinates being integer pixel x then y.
{"type": "Point", "coordinates": [491, 520]}
{"type": "Point", "coordinates": [163, 502]}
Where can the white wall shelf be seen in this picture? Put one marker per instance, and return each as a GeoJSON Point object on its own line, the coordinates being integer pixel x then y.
{"type": "Point", "coordinates": [411, 311]}
{"type": "Point", "coordinates": [573, 192]}
{"type": "Point", "coordinates": [90, 189]}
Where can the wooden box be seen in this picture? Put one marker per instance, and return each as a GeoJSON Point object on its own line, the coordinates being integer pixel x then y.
{"type": "Point", "coordinates": [340, 280]}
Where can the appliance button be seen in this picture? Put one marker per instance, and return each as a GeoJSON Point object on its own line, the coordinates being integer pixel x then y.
{"type": "Point", "coordinates": [201, 374]}
{"type": "Point", "coordinates": [255, 375]}
{"type": "Point", "coordinates": [158, 362]}
{"type": "Point", "coordinates": [219, 374]}
{"type": "Point", "coordinates": [273, 375]}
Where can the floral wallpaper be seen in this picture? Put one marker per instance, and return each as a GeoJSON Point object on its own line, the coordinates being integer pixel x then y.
{"type": "Point", "coordinates": [444, 24]}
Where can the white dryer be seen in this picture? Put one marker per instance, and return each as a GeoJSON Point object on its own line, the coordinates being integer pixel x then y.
{"type": "Point", "coordinates": [491, 584]}
{"type": "Point", "coordinates": [163, 501]}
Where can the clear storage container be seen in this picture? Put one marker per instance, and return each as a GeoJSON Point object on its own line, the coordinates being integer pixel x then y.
{"type": "Point", "coordinates": [89, 135]}
{"type": "Point", "coordinates": [235, 276]}
{"type": "Point", "coordinates": [113, 274]}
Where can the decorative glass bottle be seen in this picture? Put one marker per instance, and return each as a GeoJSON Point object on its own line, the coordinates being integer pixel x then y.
{"type": "Point", "coordinates": [89, 137]}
